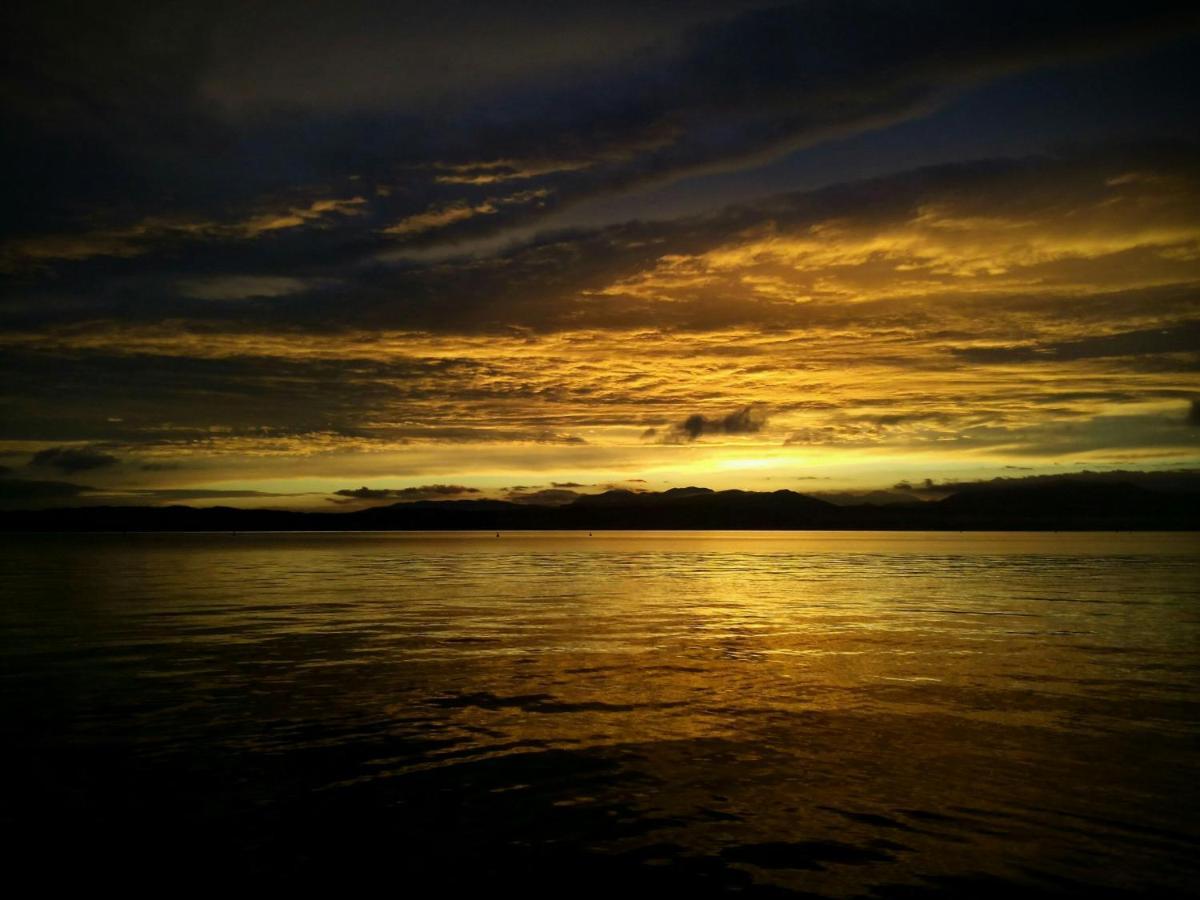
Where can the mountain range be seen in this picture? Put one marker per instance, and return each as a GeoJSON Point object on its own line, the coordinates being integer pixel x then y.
{"type": "Point", "coordinates": [1082, 506]}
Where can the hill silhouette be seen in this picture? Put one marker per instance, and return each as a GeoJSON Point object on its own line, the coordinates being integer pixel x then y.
{"type": "Point", "coordinates": [1064, 506]}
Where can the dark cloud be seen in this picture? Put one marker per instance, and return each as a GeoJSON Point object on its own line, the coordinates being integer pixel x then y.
{"type": "Point", "coordinates": [424, 492]}
{"type": "Point", "coordinates": [18, 491]}
{"type": "Point", "coordinates": [1180, 337]}
{"type": "Point", "coordinates": [199, 123]}
{"type": "Point", "coordinates": [1164, 480]}
{"type": "Point", "coordinates": [1193, 415]}
{"type": "Point", "coordinates": [168, 398]}
{"type": "Point", "coordinates": [72, 459]}
{"type": "Point", "coordinates": [558, 281]}
{"type": "Point", "coordinates": [364, 56]}
{"type": "Point", "coordinates": [365, 493]}
{"type": "Point", "coordinates": [544, 283]}
{"type": "Point", "coordinates": [236, 234]}
{"type": "Point", "coordinates": [747, 420]}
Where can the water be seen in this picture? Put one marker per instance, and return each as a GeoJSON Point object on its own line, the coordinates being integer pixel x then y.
{"type": "Point", "coordinates": [895, 715]}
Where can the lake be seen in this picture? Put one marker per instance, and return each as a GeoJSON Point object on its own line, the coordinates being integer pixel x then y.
{"type": "Point", "coordinates": [764, 714]}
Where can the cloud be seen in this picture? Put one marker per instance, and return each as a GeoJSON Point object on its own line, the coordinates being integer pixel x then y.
{"type": "Point", "coordinates": [1181, 337]}
{"type": "Point", "coordinates": [746, 420]}
{"type": "Point", "coordinates": [177, 494]}
{"type": "Point", "coordinates": [424, 492]}
{"type": "Point", "coordinates": [867, 317]}
{"type": "Point", "coordinates": [238, 287]}
{"type": "Point", "coordinates": [22, 492]}
{"type": "Point", "coordinates": [1193, 414]}
{"type": "Point", "coordinates": [168, 233]}
{"type": "Point", "coordinates": [500, 170]}
{"type": "Point", "coordinates": [236, 141]}
{"type": "Point", "coordinates": [16, 491]}
{"type": "Point", "coordinates": [437, 218]}
{"type": "Point", "coordinates": [1164, 480]}
{"type": "Point", "coordinates": [72, 459]}
{"type": "Point", "coordinates": [970, 232]}
{"type": "Point", "coordinates": [313, 240]}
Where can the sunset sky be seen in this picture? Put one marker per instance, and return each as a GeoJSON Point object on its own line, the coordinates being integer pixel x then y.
{"type": "Point", "coordinates": [258, 253]}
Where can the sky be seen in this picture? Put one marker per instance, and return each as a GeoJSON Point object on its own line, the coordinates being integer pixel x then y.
{"type": "Point", "coordinates": [324, 255]}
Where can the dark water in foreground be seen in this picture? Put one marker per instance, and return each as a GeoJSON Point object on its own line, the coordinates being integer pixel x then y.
{"type": "Point", "coordinates": [895, 715]}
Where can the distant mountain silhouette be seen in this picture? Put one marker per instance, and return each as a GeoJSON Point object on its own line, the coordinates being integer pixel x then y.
{"type": "Point", "coordinates": [1063, 506]}
{"type": "Point", "coordinates": [1065, 498]}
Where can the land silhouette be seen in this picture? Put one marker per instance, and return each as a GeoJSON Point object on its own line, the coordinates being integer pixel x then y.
{"type": "Point", "coordinates": [1086, 506]}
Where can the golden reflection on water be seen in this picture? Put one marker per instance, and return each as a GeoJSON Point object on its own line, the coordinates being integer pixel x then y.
{"type": "Point", "coordinates": [826, 712]}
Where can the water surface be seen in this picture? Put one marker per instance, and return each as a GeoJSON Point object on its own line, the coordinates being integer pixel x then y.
{"type": "Point", "coordinates": [829, 714]}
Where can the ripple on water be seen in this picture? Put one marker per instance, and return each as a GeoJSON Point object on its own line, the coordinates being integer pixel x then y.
{"type": "Point", "coordinates": [827, 715]}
